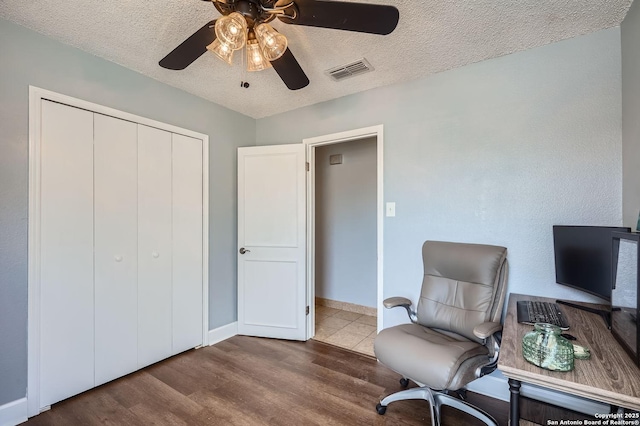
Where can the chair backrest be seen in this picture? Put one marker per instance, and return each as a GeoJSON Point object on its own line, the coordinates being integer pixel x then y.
{"type": "Point", "coordinates": [464, 285]}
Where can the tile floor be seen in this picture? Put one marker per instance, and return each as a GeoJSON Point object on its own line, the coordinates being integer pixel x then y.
{"type": "Point", "coordinates": [346, 329]}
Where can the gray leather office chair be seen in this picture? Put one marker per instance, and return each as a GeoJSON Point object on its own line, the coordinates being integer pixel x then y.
{"type": "Point", "coordinates": [454, 333]}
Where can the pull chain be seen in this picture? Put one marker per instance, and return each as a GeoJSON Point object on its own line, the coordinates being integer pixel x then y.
{"type": "Point", "coordinates": [244, 83]}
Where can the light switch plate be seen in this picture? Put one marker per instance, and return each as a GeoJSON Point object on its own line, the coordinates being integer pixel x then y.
{"type": "Point", "coordinates": [391, 209]}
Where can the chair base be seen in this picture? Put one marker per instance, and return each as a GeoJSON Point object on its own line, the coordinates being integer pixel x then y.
{"type": "Point", "coordinates": [436, 400]}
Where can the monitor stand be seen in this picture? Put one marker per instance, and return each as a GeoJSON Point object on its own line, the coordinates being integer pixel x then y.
{"type": "Point", "coordinates": [606, 315]}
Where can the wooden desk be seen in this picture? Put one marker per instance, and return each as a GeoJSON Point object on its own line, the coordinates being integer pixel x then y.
{"type": "Point", "coordinates": [609, 376]}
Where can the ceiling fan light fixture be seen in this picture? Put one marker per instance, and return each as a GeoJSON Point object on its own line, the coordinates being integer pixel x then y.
{"type": "Point", "coordinates": [272, 43]}
{"type": "Point", "coordinates": [232, 30]}
{"type": "Point", "coordinates": [222, 51]}
{"type": "Point", "coordinates": [255, 60]}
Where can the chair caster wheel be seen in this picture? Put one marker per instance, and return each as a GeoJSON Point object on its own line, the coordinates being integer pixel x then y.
{"type": "Point", "coordinates": [404, 382]}
{"type": "Point", "coordinates": [381, 409]}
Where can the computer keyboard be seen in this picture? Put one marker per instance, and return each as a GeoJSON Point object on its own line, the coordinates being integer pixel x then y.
{"type": "Point", "coordinates": [531, 312]}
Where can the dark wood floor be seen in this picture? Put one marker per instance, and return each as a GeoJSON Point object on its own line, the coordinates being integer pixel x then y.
{"type": "Point", "coordinates": [253, 381]}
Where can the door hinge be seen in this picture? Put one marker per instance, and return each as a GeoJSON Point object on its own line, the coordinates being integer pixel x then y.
{"type": "Point", "coordinates": [307, 310]}
{"type": "Point", "coordinates": [307, 165]}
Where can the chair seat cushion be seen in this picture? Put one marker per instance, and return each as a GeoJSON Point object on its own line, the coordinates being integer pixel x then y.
{"type": "Point", "coordinates": [424, 355]}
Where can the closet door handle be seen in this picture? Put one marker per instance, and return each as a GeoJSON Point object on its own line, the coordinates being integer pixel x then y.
{"type": "Point", "coordinates": [244, 250]}
{"type": "Point", "coordinates": [117, 258]}
{"type": "Point", "coordinates": [155, 254]}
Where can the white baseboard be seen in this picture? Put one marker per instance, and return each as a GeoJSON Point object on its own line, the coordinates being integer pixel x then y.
{"type": "Point", "coordinates": [495, 385]}
{"type": "Point", "coordinates": [223, 333]}
{"type": "Point", "coordinates": [347, 306]}
{"type": "Point", "coordinates": [14, 412]}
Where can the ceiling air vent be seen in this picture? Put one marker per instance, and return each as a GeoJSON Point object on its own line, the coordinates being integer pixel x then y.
{"type": "Point", "coordinates": [341, 72]}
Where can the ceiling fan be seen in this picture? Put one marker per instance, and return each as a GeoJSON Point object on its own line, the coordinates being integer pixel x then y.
{"type": "Point", "coordinates": [245, 24]}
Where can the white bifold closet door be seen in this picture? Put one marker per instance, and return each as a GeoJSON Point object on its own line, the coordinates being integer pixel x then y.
{"type": "Point", "coordinates": [121, 248]}
{"type": "Point", "coordinates": [154, 245]}
{"type": "Point", "coordinates": [169, 227]}
{"type": "Point", "coordinates": [66, 253]}
{"type": "Point", "coordinates": [187, 242]}
{"type": "Point", "coordinates": [116, 253]}
{"type": "Point", "coordinates": [169, 244]}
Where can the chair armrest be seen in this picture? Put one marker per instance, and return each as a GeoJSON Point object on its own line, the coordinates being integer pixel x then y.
{"type": "Point", "coordinates": [486, 329]}
{"type": "Point", "coordinates": [393, 302]}
{"type": "Point", "coordinates": [490, 334]}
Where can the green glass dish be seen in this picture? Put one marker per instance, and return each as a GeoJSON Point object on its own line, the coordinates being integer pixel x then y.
{"type": "Point", "coordinates": [546, 348]}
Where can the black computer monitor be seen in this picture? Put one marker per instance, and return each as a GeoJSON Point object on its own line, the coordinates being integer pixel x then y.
{"type": "Point", "coordinates": [583, 257]}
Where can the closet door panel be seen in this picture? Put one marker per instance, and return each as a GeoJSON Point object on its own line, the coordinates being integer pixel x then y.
{"type": "Point", "coordinates": [66, 253]}
{"type": "Point", "coordinates": [154, 245]}
{"type": "Point", "coordinates": [116, 295]}
{"type": "Point", "coordinates": [187, 243]}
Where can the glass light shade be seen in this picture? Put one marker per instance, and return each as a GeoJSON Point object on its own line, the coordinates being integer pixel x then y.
{"type": "Point", "coordinates": [222, 50]}
{"type": "Point", "coordinates": [232, 30]}
{"type": "Point", "coordinates": [255, 60]}
{"type": "Point", "coordinates": [272, 43]}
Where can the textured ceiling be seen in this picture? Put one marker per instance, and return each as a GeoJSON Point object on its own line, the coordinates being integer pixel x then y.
{"type": "Point", "coordinates": [432, 36]}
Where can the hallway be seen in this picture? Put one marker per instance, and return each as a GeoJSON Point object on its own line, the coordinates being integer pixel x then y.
{"type": "Point", "coordinates": [349, 330]}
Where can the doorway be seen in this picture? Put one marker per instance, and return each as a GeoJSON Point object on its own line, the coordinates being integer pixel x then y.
{"type": "Point", "coordinates": [345, 244]}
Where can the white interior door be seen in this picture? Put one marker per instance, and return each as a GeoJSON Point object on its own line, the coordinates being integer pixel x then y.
{"type": "Point", "coordinates": [272, 241]}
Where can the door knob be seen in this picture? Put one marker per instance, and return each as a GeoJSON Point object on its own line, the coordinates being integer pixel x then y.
{"type": "Point", "coordinates": [244, 250]}
{"type": "Point", "coordinates": [155, 254]}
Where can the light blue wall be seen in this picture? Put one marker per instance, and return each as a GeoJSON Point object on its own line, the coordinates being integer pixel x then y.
{"type": "Point", "coordinates": [29, 58]}
{"type": "Point", "coordinates": [346, 220]}
{"type": "Point", "coordinates": [495, 152]}
{"type": "Point", "coordinates": [630, 29]}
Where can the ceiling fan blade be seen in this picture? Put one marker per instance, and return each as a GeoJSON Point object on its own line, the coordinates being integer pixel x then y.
{"type": "Point", "coordinates": [190, 49]}
{"type": "Point", "coordinates": [290, 71]}
{"type": "Point", "coordinates": [360, 17]}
